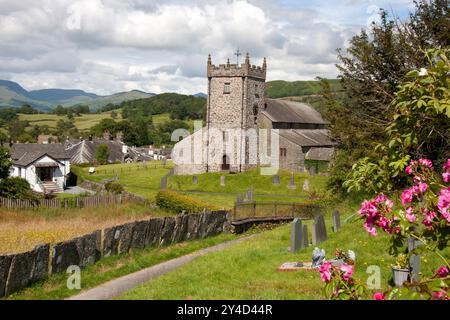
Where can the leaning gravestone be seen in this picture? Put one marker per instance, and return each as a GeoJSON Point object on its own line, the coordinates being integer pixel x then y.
{"type": "Point", "coordinates": [296, 235]}
{"type": "Point", "coordinates": [194, 180]}
{"type": "Point", "coordinates": [336, 220]}
{"type": "Point", "coordinates": [276, 179]}
{"type": "Point", "coordinates": [305, 185]}
{"type": "Point", "coordinates": [222, 181]}
{"type": "Point", "coordinates": [249, 194]}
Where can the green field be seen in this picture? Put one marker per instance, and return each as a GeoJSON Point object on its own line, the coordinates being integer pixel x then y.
{"type": "Point", "coordinates": [84, 122]}
{"type": "Point", "coordinates": [135, 178]}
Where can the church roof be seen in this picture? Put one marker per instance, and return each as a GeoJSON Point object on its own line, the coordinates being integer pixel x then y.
{"type": "Point", "coordinates": [324, 154]}
{"type": "Point", "coordinates": [278, 110]}
{"type": "Point", "coordinates": [308, 137]}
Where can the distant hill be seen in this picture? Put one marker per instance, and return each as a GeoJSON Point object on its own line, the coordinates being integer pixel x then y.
{"type": "Point", "coordinates": [280, 88]}
{"type": "Point", "coordinates": [200, 95]}
{"type": "Point", "coordinates": [13, 95]}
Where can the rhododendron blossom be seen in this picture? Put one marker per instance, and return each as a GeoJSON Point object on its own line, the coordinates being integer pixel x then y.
{"type": "Point", "coordinates": [410, 215]}
{"type": "Point", "coordinates": [378, 296]}
{"type": "Point", "coordinates": [348, 271]}
{"type": "Point", "coordinates": [442, 272]}
{"type": "Point", "coordinates": [426, 162]}
{"type": "Point", "coordinates": [444, 203]}
{"type": "Point", "coordinates": [407, 196]}
{"type": "Point", "coordinates": [325, 271]}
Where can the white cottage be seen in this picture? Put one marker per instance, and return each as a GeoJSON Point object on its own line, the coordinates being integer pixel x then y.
{"type": "Point", "coordinates": [44, 166]}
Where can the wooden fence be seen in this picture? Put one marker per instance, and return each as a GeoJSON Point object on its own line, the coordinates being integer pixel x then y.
{"type": "Point", "coordinates": [275, 210]}
{"type": "Point", "coordinates": [130, 168]}
{"type": "Point", "coordinates": [79, 202]}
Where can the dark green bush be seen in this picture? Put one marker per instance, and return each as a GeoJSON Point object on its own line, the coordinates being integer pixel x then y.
{"type": "Point", "coordinates": [114, 187]}
{"type": "Point", "coordinates": [176, 202]}
{"type": "Point", "coordinates": [16, 188]}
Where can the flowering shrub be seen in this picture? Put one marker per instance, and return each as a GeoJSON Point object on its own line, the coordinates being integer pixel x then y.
{"type": "Point", "coordinates": [425, 217]}
{"type": "Point", "coordinates": [339, 283]}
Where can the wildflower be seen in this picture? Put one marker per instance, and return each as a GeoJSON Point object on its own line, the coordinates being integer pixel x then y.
{"type": "Point", "coordinates": [422, 187]}
{"type": "Point", "coordinates": [348, 271]}
{"type": "Point", "coordinates": [426, 163]}
{"type": "Point", "coordinates": [325, 271]}
{"type": "Point", "coordinates": [408, 170]}
{"type": "Point", "coordinates": [378, 296]}
{"type": "Point", "coordinates": [423, 72]}
{"type": "Point", "coordinates": [429, 219]}
{"type": "Point", "coordinates": [370, 228]}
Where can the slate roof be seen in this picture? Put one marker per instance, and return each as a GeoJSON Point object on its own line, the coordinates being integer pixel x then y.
{"type": "Point", "coordinates": [308, 137]}
{"type": "Point", "coordinates": [23, 154]}
{"type": "Point", "coordinates": [84, 151]}
{"type": "Point", "coordinates": [278, 110]}
{"type": "Point", "coordinates": [324, 154]}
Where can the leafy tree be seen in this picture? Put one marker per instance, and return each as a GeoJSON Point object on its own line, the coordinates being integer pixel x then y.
{"type": "Point", "coordinates": [60, 110]}
{"type": "Point", "coordinates": [5, 163]}
{"type": "Point", "coordinates": [16, 128]}
{"type": "Point", "coordinates": [27, 109]}
{"type": "Point", "coordinates": [375, 63]}
{"type": "Point", "coordinates": [113, 114]}
{"type": "Point", "coordinates": [15, 188]}
{"type": "Point", "coordinates": [102, 154]}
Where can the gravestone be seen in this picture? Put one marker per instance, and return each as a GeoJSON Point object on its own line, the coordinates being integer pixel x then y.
{"type": "Point", "coordinates": [296, 235]}
{"type": "Point", "coordinates": [312, 172]}
{"type": "Point", "coordinates": [319, 231]}
{"type": "Point", "coordinates": [292, 182]}
{"type": "Point", "coordinates": [414, 260]}
{"type": "Point", "coordinates": [276, 179]}
{"type": "Point", "coordinates": [239, 199]}
{"type": "Point", "coordinates": [222, 181]}
{"type": "Point", "coordinates": [336, 220]}
{"type": "Point", "coordinates": [164, 182]}
{"type": "Point", "coordinates": [194, 180]}
{"type": "Point", "coordinates": [305, 236]}
{"type": "Point", "coordinates": [249, 194]}
{"type": "Point", "coordinates": [305, 185]}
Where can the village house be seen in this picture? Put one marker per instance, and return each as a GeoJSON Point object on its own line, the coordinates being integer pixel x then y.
{"type": "Point", "coordinates": [45, 166]}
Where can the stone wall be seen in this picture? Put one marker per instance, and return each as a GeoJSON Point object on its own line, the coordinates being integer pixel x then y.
{"type": "Point", "coordinates": [17, 271]}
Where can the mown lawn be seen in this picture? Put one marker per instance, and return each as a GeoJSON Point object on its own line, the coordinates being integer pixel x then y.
{"type": "Point", "coordinates": [112, 267]}
{"type": "Point", "coordinates": [135, 178]}
{"type": "Point", "coordinates": [249, 270]}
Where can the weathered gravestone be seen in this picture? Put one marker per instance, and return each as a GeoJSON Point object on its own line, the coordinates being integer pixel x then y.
{"type": "Point", "coordinates": [305, 236]}
{"type": "Point", "coordinates": [276, 179]}
{"type": "Point", "coordinates": [336, 220]}
{"type": "Point", "coordinates": [249, 194]}
{"type": "Point", "coordinates": [296, 235]}
{"type": "Point", "coordinates": [319, 231]}
{"type": "Point", "coordinates": [414, 260]}
{"type": "Point", "coordinates": [164, 182]}
{"type": "Point", "coordinates": [222, 181]}
{"type": "Point", "coordinates": [312, 171]}
{"type": "Point", "coordinates": [194, 180]}
{"type": "Point", "coordinates": [292, 182]}
{"type": "Point", "coordinates": [305, 185]}
{"type": "Point", "coordinates": [239, 199]}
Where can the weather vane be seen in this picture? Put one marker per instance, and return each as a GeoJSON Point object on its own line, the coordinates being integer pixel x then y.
{"type": "Point", "coordinates": [237, 54]}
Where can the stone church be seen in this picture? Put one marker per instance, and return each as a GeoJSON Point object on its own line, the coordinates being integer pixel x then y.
{"type": "Point", "coordinates": [245, 130]}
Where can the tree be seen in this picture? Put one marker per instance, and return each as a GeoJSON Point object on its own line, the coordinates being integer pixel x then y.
{"type": "Point", "coordinates": [5, 163]}
{"type": "Point", "coordinates": [102, 154]}
{"type": "Point", "coordinates": [113, 114]}
{"type": "Point", "coordinates": [375, 63]}
{"type": "Point", "coordinates": [60, 110]}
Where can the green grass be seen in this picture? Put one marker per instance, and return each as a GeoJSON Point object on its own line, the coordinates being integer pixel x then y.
{"type": "Point", "coordinates": [134, 177]}
{"type": "Point", "coordinates": [112, 267]}
{"type": "Point", "coordinates": [249, 270]}
{"type": "Point", "coordinates": [263, 188]}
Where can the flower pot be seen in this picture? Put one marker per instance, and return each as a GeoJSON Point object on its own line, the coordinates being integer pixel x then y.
{"type": "Point", "coordinates": [400, 276]}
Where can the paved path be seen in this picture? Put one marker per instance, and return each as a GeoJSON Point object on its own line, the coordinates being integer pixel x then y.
{"type": "Point", "coordinates": [120, 285]}
{"type": "Point", "coordinates": [78, 190]}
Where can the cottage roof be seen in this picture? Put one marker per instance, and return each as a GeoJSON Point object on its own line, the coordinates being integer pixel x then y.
{"type": "Point", "coordinates": [23, 154]}
{"type": "Point", "coordinates": [278, 110]}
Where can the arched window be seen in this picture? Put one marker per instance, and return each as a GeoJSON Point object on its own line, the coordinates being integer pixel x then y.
{"type": "Point", "coordinates": [255, 112]}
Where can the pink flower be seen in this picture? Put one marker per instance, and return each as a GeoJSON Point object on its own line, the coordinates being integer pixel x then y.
{"type": "Point", "coordinates": [383, 222]}
{"type": "Point", "coordinates": [348, 271]}
{"type": "Point", "coordinates": [407, 196]}
{"type": "Point", "coordinates": [422, 187]}
{"type": "Point", "coordinates": [370, 228]}
{"type": "Point", "coordinates": [429, 219]}
{"type": "Point", "coordinates": [408, 170]}
{"type": "Point", "coordinates": [410, 214]}
{"type": "Point", "coordinates": [378, 296]}
{"type": "Point", "coordinates": [444, 203]}
{"type": "Point", "coordinates": [426, 162]}
{"type": "Point", "coordinates": [325, 271]}
{"type": "Point", "coordinates": [439, 295]}
{"type": "Point", "coordinates": [389, 204]}
{"type": "Point", "coordinates": [442, 272]}
{"type": "Point", "coordinates": [446, 166]}
{"type": "Point", "coordinates": [446, 176]}
{"type": "Point", "coordinates": [380, 198]}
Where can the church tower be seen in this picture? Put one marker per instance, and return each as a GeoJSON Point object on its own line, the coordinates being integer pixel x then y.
{"type": "Point", "coordinates": [235, 98]}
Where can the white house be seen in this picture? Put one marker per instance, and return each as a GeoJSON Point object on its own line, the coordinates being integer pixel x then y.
{"type": "Point", "coordinates": [44, 166]}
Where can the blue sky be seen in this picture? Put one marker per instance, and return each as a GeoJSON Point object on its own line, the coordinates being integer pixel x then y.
{"type": "Point", "coordinates": [106, 46]}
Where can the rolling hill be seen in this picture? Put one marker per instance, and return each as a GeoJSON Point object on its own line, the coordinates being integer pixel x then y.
{"type": "Point", "coordinates": [13, 95]}
{"type": "Point", "coordinates": [280, 88]}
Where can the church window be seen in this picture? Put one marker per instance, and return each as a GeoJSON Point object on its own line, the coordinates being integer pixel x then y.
{"type": "Point", "coordinates": [283, 152]}
{"type": "Point", "coordinates": [255, 112]}
{"type": "Point", "coordinates": [227, 88]}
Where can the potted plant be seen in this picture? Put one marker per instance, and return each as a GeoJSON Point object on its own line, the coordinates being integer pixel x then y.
{"type": "Point", "coordinates": [400, 270]}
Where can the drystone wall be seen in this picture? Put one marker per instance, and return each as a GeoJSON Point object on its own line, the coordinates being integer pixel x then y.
{"type": "Point", "coordinates": [17, 271]}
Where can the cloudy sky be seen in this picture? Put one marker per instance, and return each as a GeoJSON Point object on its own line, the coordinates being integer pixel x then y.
{"type": "Point", "coordinates": [107, 46]}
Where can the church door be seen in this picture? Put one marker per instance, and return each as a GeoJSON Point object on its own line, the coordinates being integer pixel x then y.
{"type": "Point", "coordinates": [225, 163]}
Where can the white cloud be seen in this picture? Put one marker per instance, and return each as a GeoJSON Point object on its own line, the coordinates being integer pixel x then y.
{"type": "Point", "coordinates": [105, 46]}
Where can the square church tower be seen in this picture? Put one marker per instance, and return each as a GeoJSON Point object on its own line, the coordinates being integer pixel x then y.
{"type": "Point", "coordinates": [235, 100]}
